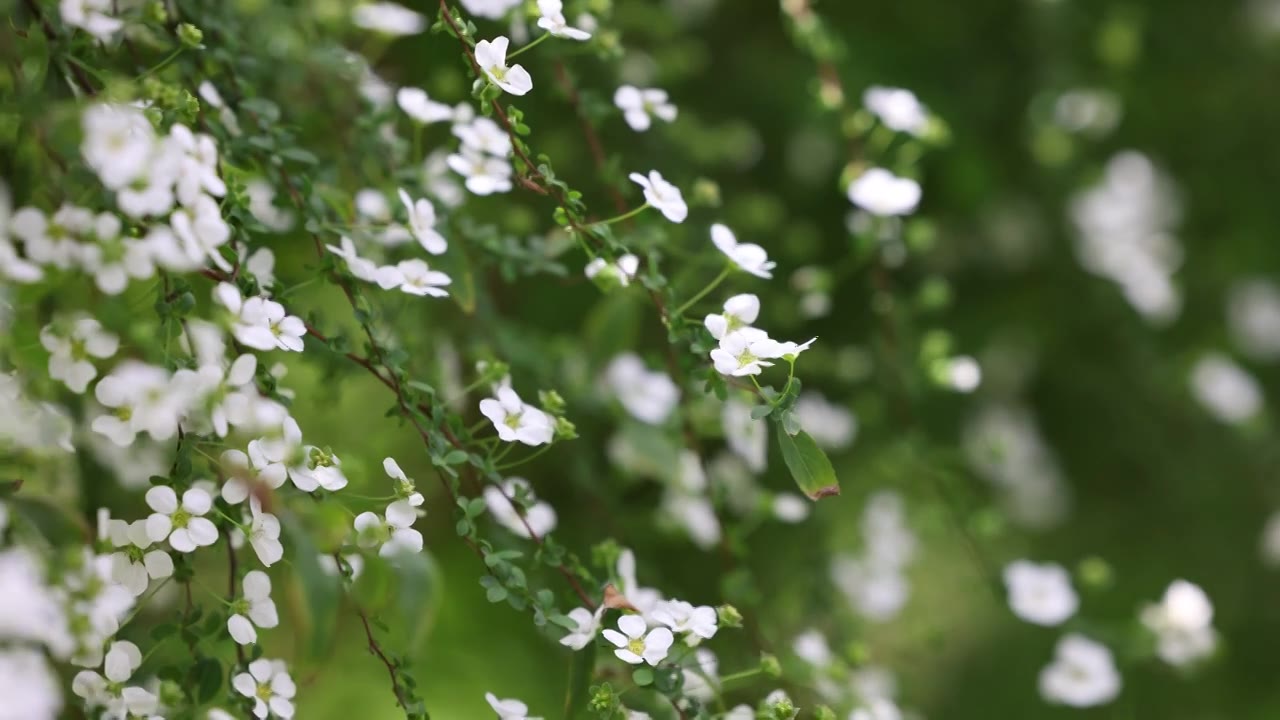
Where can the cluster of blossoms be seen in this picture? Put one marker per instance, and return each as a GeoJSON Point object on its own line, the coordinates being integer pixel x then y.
{"type": "Point", "coordinates": [875, 583]}
{"type": "Point", "coordinates": [1084, 672]}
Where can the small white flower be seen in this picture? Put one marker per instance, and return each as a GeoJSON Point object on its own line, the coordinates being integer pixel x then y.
{"type": "Point", "coordinates": [119, 664]}
{"type": "Point", "coordinates": [587, 629]}
{"type": "Point", "coordinates": [394, 535]}
{"type": "Point", "coordinates": [1082, 674]}
{"type": "Point", "coordinates": [29, 686]}
{"type": "Point", "coordinates": [269, 686]}
{"type": "Point", "coordinates": [142, 399]}
{"type": "Point", "coordinates": [897, 109]}
{"type": "Point", "coordinates": [264, 534]}
{"type": "Point", "coordinates": [417, 105]}
{"type": "Point", "coordinates": [118, 142]}
{"type": "Point", "coordinates": [539, 517]}
{"type": "Point", "coordinates": [1225, 389]}
{"type": "Point", "coordinates": [197, 173]}
{"type": "Point", "coordinates": [386, 277]}
{"type": "Point", "coordinates": [662, 195]}
{"type": "Point", "coordinates": [422, 220]}
{"type": "Point", "coordinates": [417, 278]}
{"type": "Point", "coordinates": [877, 709]}
{"type": "Point", "coordinates": [622, 271]}
{"type": "Point", "coordinates": [132, 565]}
{"type": "Point", "coordinates": [255, 607]}
{"type": "Point", "coordinates": [790, 507]}
{"type": "Point", "coordinates": [553, 21]}
{"type": "Point", "coordinates": [92, 16]}
{"type": "Point", "coordinates": [640, 105]}
{"type": "Point", "coordinates": [485, 175]}
{"type": "Point", "coordinates": [682, 617]}
{"type": "Point", "coordinates": [739, 312]}
{"type": "Point", "coordinates": [113, 260]}
{"type": "Point", "coordinates": [649, 395]}
{"type": "Point", "coordinates": [388, 18]}
{"type": "Point", "coordinates": [830, 425]}
{"type": "Point", "coordinates": [1182, 623]}
{"type": "Point", "coordinates": [882, 193]}
{"type": "Point", "coordinates": [515, 420]}
{"type": "Point", "coordinates": [260, 323]}
{"type": "Point", "coordinates": [201, 232]}
{"type": "Point", "coordinates": [747, 351]}
{"type": "Point", "coordinates": [262, 206]}
{"type": "Point", "coordinates": [748, 257]}
{"type": "Point", "coordinates": [484, 135]}
{"type": "Point", "coordinates": [811, 646]}
{"type": "Point", "coordinates": [69, 353]}
{"type": "Point", "coordinates": [634, 646]}
{"type": "Point", "coordinates": [492, 58]}
{"type": "Point", "coordinates": [1040, 594]}
{"type": "Point", "coordinates": [182, 524]}
{"type": "Point", "coordinates": [508, 708]}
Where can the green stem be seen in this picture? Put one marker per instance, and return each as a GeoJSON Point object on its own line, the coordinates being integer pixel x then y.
{"type": "Point", "coordinates": [530, 46]}
{"type": "Point", "coordinates": [739, 675]}
{"type": "Point", "coordinates": [703, 293]}
{"type": "Point", "coordinates": [626, 215]}
{"type": "Point", "coordinates": [510, 465]}
{"type": "Point", "coordinates": [161, 65]}
{"type": "Point", "coordinates": [143, 601]}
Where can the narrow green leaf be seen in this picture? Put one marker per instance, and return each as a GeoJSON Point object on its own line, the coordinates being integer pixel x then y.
{"type": "Point", "coordinates": [418, 597]}
{"type": "Point", "coordinates": [809, 465]}
{"type": "Point", "coordinates": [206, 676]}
{"type": "Point", "coordinates": [319, 590]}
{"type": "Point", "coordinates": [581, 669]}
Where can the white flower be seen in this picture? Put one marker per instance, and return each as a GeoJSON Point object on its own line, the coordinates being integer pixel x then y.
{"type": "Point", "coordinates": [50, 241]}
{"type": "Point", "coordinates": [508, 708]}
{"type": "Point", "coordinates": [1082, 674]}
{"type": "Point", "coordinates": [387, 18]}
{"type": "Point", "coordinates": [122, 659]}
{"type": "Point", "coordinates": [262, 206]}
{"type": "Point", "coordinates": [417, 278]}
{"type": "Point", "coordinates": [417, 105]}
{"type": "Point", "coordinates": [386, 276]}
{"type": "Point", "coordinates": [492, 58]}
{"type": "Point", "coordinates": [1225, 389]}
{"type": "Point", "coordinates": [662, 195]}
{"type": "Point", "coordinates": [113, 260]}
{"type": "Point", "coordinates": [897, 109]}
{"type": "Point", "coordinates": [739, 312]}
{"type": "Point", "coordinates": [741, 712]}
{"type": "Point", "coordinates": [683, 617]}
{"type": "Point", "coordinates": [132, 565]}
{"type": "Point", "coordinates": [269, 686]}
{"type": "Point", "coordinates": [92, 16]}
{"type": "Point", "coordinates": [643, 599]}
{"type": "Point", "coordinates": [539, 517]}
{"type": "Point", "coordinates": [260, 323]}
{"type": "Point", "coordinates": [143, 399]}
{"type": "Point", "coordinates": [118, 142]}
{"type": "Point", "coordinates": [882, 193]}
{"type": "Point", "coordinates": [634, 646]}
{"type": "Point", "coordinates": [484, 175]}
{"type": "Point", "coordinates": [790, 507]}
{"type": "Point", "coordinates": [877, 709]}
{"type": "Point", "coordinates": [1182, 623]}
{"type": "Point", "coordinates": [30, 689]}
{"type": "Point", "coordinates": [702, 681]}
{"type": "Point", "coordinates": [515, 420]}
{"type": "Point", "coordinates": [621, 272]}
{"type": "Point", "coordinates": [830, 425]}
{"type": "Point", "coordinates": [553, 21]}
{"type": "Point", "coordinates": [811, 646]}
{"type": "Point", "coordinates": [249, 471]}
{"type": "Point", "coordinates": [182, 523]}
{"type": "Point", "coordinates": [491, 9]}
{"type": "Point", "coordinates": [264, 534]}
{"type": "Point", "coordinates": [746, 351]}
{"type": "Point", "coordinates": [649, 395]}
{"type": "Point", "coordinates": [1040, 594]}
{"type": "Point", "coordinates": [587, 629]}
{"type": "Point", "coordinates": [422, 220]}
{"type": "Point", "coordinates": [640, 105]}
{"type": "Point", "coordinates": [197, 165]}
{"type": "Point", "coordinates": [69, 353]}
{"type": "Point", "coordinates": [254, 608]}
{"type": "Point", "coordinates": [394, 535]}
{"type": "Point", "coordinates": [748, 257]}
{"type": "Point", "coordinates": [200, 229]}
{"type": "Point", "coordinates": [484, 135]}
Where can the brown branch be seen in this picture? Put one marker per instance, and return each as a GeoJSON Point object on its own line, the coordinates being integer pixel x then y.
{"type": "Point", "coordinates": [377, 650]}
{"type": "Point", "coordinates": [588, 131]}
{"type": "Point", "coordinates": [76, 71]}
{"type": "Point", "coordinates": [231, 591]}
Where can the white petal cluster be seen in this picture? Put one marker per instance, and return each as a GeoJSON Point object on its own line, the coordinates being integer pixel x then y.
{"type": "Point", "coordinates": [483, 156]}
{"type": "Point", "coordinates": [1040, 594]}
{"type": "Point", "coordinates": [640, 105]}
{"type": "Point", "coordinates": [897, 109]}
{"type": "Point", "coordinates": [1082, 674]}
{"type": "Point", "coordinates": [516, 420]}
{"type": "Point", "coordinates": [1004, 444]}
{"type": "Point", "coordinates": [619, 272]}
{"type": "Point", "coordinates": [1124, 232]}
{"type": "Point", "coordinates": [662, 195]}
{"type": "Point", "coordinates": [649, 396]}
{"type": "Point", "coordinates": [515, 506]}
{"type": "Point", "coordinates": [1226, 390]}
{"type": "Point", "coordinates": [553, 21]}
{"type": "Point", "coordinates": [830, 425]}
{"type": "Point", "coordinates": [96, 17]}
{"type": "Point", "coordinates": [491, 56]}
{"type": "Point", "coordinates": [254, 609]}
{"type": "Point", "coordinates": [71, 346]}
{"type": "Point", "coordinates": [508, 708]}
{"type": "Point", "coordinates": [388, 18]}
{"type": "Point", "coordinates": [270, 687]}
{"type": "Point", "coordinates": [490, 9]}
{"type": "Point", "coordinates": [1183, 624]}
{"type": "Point", "coordinates": [875, 582]}
{"type": "Point", "coordinates": [882, 193]}
{"type": "Point", "coordinates": [636, 644]}
{"type": "Point", "coordinates": [260, 323]}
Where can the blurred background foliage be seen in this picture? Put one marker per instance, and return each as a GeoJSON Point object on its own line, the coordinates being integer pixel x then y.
{"type": "Point", "coordinates": [1158, 488]}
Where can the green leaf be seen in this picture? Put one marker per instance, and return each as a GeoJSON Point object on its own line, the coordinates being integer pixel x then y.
{"type": "Point", "coordinates": [642, 677]}
{"type": "Point", "coordinates": [761, 411]}
{"type": "Point", "coordinates": [581, 668]}
{"type": "Point", "coordinates": [299, 155]}
{"type": "Point", "coordinates": [319, 590]}
{"type": "Point", "coordinates": [809, 465]}
{"type": "Point", "coordinates": [50, 520]}
{"type": "Point", "coordinates": [206, 676]}
{"type": "Point", "coordinates": [612, 326]}
{"type": "Point", "coordinates": [418, 597]}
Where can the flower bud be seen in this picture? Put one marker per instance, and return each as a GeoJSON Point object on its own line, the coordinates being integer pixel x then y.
{"type": "Point", "coordinates": [1094, 572]}
{"type": "Point", "coordinates": [155, 12]}
{"type": "Point", "coordinates": [190, 35]}
{"type": "Point", "coordinates": [770, 666]}
{"type": "Point", "coordinates": [551, 402]}
{"type": "Point", "coordinates": [729, 616]}
{"type": "Point", "coordinates": [565, 430]}
{"type": "Point", "coordinates": [822, 712]}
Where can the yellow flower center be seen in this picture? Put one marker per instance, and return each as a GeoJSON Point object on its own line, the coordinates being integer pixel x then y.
{"type": "Point", "coordinates": [636, 646]}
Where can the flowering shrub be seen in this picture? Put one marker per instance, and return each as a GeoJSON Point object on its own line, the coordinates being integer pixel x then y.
{"type": "Point", "coordinates": [300, 362]}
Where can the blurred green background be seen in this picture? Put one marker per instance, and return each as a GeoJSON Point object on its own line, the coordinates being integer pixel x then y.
{"type": "Point", "coordinates": [1160, 490]}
